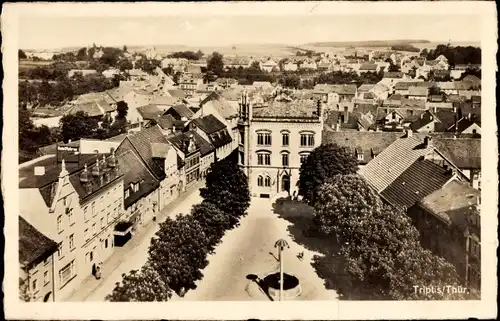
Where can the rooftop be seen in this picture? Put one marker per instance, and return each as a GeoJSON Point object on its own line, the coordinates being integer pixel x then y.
{"type": "Point", "coordinates": [453, 202]}
{"type": "Point", "coordinates": [295, 109]}
{"type": "Point", "coordinates": [419, 180]}
{"type": "Point", "coordinates": [34, 246]}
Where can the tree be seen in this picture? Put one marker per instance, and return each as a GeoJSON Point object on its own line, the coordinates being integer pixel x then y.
{"type": "Point", "coordinates": [144, 285]}
{"type": "Point", "coordinates": [124, 65]}
{"type": "Point", "coordinates": [124, 48]}
{"type": "Point", "coordinates": [289, 81]}
{"type": "Point", "coordinates": [121, 110]}
{"type": "Point", "coordinates": [227, 188]}
{"type": "Point", "coordinates": [324, 162]}
{"type": "Point", "coordinates": [178, 252]}
{"type": "Point", "coordinates": [215, 63]}
{"type": "Point", "coordinates": [254, 66]}
{"type": "Point", "coordinates": [76, 126]}
{"type": "Point", "coordinates": [212, 219]}
{"type": "Point", "coordinates": [21, 54]}
{"type": "Point", "coordinates": [82, 54]}
{"type": "Point", "coordinates": [393, 67]}
{"type": "Point", "coordinates": [379, 246]}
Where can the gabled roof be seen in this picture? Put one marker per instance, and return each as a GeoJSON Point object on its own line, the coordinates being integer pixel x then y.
{"type": "Point", "coordinates": [135, 171]}
{"type": "Point", "coordinates": [393, 161]}
{"type": "Point", "coordinates": [177, 93]}
{"type": "Point", "coordinates": [34, 246]}
{"type": "Point", "coordinates": [371, 67]}
{"type": "Point", "coordinates": [393, 74]}
{"type": "Point", "coordinates": [464, 123]}
{"type": "Point", "coordinates": [220, 104]}
{"type": "Point", "coordinates": [472, 79]}
{"type": "Point", "coordinates": [205, 146]}
{"type": "Point", "coordinates": [417, 91]}
{"type": "Point", "coordinates": [366, 142]}
{"type": "Point", "coordinates": [166, 121]}
{"type": "Point", "coordinates": [149, 112]}
{"type": "Point", "coordinates": [339, 89]}
{"type": "Point", "coordinates": [141, 142]}
{"type": "Point", "coordinates": [91, 108]}
{"type": "Point", "coordinates": [452, 203]}
{"type": "Point", "coordinates": [164, 100]}
{"type": "Point", "coordinates": [182, 110]}
{"type": "Point", "coordinates": [365, 87]}
{"type": "Point", "coordinates": [209, 124]}
{"type": "Point", "coordinates": [425, 118]}
{"type": "Point", "coordinates": [419, 180]}
{"type": "Point", "coordinates": [413, 103]}
{"type": "Point", "coordinates": [181, 141]}
{"type": "Point", "coordinates": [465, 153]}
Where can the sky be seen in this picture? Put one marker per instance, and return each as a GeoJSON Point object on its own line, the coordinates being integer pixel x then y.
{"type": "Point", "coordinates": [37, 32]}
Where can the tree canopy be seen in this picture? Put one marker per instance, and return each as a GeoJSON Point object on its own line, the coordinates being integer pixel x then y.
{"type": "Point", "coordinates": [144, 285]}
{"type": "Point", "coordinates": [215, 63]}
{"type": "Point", "coordinates": [189, 55]}
{"type": "Point", "coordinates": [378, 245]}
{"type": "Point", "coordinates": [324, 162]}
{"type": "Point", "coordinates": [78, 125]}
{"type": "Point", "coordinates": [21, 54]}
{"type": "Point", "coordinates": [213, 220]}
{"type": "Point", "coordinates": [457, 55]}
{"type": "Point", "coordinates": [178, 251]}
{"type": "Point", "coordinates": [227, 188]}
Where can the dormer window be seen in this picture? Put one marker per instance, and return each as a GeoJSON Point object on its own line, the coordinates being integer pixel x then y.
{"type": "Point", "coordinates": [127, 193]}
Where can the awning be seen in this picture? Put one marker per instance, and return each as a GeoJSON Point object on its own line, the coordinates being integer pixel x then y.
{"type": "Point", "coordinates": [123, 228]}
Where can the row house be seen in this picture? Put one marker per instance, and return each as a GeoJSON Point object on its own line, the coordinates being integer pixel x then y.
{"type": "Point", "coordinates": [275, 141]}
{"type": "Point", "coordinates": [155, 153]}
{"type": "Point", "coordinates": [448, 221]}
{"type": "Point", "coordinates": [225, 111]}
{"type": "Point", "coordinates": [215, 132]}
{"type": "Point", "coordinates": [334, 93]}
{"type": "Point", "coordinates": [36, 260]}
{"type": "Point", "coordinates": [188, 157]}
{"type": "Point", "coordinates": [77, 204]}
{"type": "Point", "coordinates": [308, 64]}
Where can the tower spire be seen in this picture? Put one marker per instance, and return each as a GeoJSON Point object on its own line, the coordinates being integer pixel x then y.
{"type": "Point", "coordinates": [63, 172]}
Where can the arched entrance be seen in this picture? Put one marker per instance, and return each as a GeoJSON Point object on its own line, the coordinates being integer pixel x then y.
{"type": "Point", "coordinates": [285, 184]}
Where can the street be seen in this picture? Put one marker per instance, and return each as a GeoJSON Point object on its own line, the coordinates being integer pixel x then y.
{"type": "Point", "coordinates": [249, 249]}
{"type": "Point", "coordinates": [133, 254]}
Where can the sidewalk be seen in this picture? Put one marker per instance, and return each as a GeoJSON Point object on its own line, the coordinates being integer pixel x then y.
{"type": "Point", "coordinates": [90, 284]}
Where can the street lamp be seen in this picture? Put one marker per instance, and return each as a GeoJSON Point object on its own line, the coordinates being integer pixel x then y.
{"type": "Point", "coordinates": [281, 244]}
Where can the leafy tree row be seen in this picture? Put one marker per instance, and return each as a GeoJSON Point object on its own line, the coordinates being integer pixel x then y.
{"type": "Point", "coordinates": [377, 249]}
{"type": "Point", "coordinates": [179, 250]}
{"type": "Point", "coordinates": [456, 55]}
{"type": "Point", "coordinates": [42, 93]}
{"type": "Point", "coordinates": [405, 47]}
{"type": "Point", "coordinates": [189, 55]}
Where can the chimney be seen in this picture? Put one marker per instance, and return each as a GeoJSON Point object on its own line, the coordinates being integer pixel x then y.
{"type": "Point", "coordinates": [422, 116]}
{"type": "Point", "coordinates": [469, 116]}
{"type": "Point", "coordinates": [39, 170]}
{"type": "Point", "coordinates": [428, 141]}
{"type": "Point", "coordinates": [409, 132]}
{"type": "Point", "coordinates": [435, 109]}
{"type": "Point", "coordinates": [337, 126]}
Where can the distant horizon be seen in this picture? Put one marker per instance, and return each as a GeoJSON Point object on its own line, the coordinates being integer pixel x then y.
{"type": "Point", "coordinates": [195, 47]}
{"type": "Point", "coordinates": [44, 32]}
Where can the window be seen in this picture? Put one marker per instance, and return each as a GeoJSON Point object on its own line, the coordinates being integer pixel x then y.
{"type": "Point", "coordinates": [285, 139]}
{"type": "Point", "coordinates": [94, 230]}
{"type": "Point", "coordinates": [86, 234]}
{"type": "Point", "coordinates": [267, 181]}
{"type": "Point", "coordinates": [393, 115]}
{"type": "Point", "coordinates": [66, 273]}
{"type": "Point", "coordinates": [260, 180]}
{"type": "Point", "coordinates": [263, 159]}
{"type": "Point", "coordinates": [107, 217]}
{"type": "Point", "coordinates": [70, 218]}
{"type": "Point", "coordinates": [93, 209]}
{"type": "Point", "coordinates": [303, 158]}
{"type": "Point", "coordinates": [71, 242]}
{"type": "Point", "coordinates": [264, 139]}
{"type": "Point", "coordinates": [127, 193]}
{"type": "Point", "coordinates": [306, 140]}
{"type": "Point", "coordinates": [102, 223]}
{"type": "Point", "coordinates": [284, 159]}
{"type": "Point", "coordinates": [361, 156]}
{"type": "Point", "coordinates": [85, 213]}
{"type": "Point", "coordinates": [35, 284]}
{"type": "Point", "coordinates": [60, 250]}
{"type": "Point", "coordinates": [45, 277]}
{"type": "Point", "coordinates": [59, 223]}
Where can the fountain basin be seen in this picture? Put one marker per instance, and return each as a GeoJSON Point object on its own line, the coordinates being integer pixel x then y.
{"type": "Point", "coordinates": [291, 286]}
